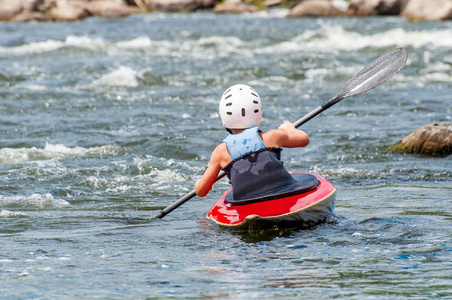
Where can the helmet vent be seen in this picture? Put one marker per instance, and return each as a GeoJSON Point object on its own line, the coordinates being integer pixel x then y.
{"type": "Point", "coordinates": [229, 104]}
{"type": "Point", "coordinates": [229, 113]}
{"type": "Point", "coordinates": [227, 92]}
{"type": "Point", "coordinates": [255, 102]}
{"type": "Point", "coordinates": [256, 111]}
{"type": "Point", "coordinates": [243, 112]}
{"type": "Point", "coordinates": [228, 96]}
{"type": "Point", "coordinates": [254, 94]}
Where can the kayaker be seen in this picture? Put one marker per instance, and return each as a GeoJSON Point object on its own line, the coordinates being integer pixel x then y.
{"type": "Point", "coordinates": [249, 156]}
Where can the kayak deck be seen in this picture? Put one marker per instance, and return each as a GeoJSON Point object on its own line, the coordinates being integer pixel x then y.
{"type": "Point", "coordinates": [303, 209]}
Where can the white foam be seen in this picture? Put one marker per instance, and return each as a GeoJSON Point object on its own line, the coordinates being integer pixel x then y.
{"type": "Point", "coordinates": [119, 189]}
{"type": "Point", "coordinates": [139, 42]}
{"type": "Point", "coordinates": [49, 152]}
{"type": "Point", "coordinates": [165, 175]}
{"type": "Point", "coordinates": [271, 82]}
{"type": "Point", "coordinates": [123, 76]}
{"type": "Point", "coordinates": [220, 41]}
{"type": "Point", "coordinates": [35, 200]}
{"type": "Point", "coordinates": [35, 47]}
{"type": "Point", "coordinates": [436, 72]}
{"type": "Point", "coordinates": [34, 87]}
{"type": "Point", "coordinates": [95, 182]}
{"type": "Point", "coordinates": [438, 77]}
{"type": "Point", "coordinates": [213, 46]}
{"type": "Point", "coordinates": [4, 213]}
{"type": "Point", "coordinates": [316, 74]}
{"type": "Point", "coordinates": [83, 42]}
{"type": "Point", "coordinates": [14, 156]}
{"type": "Point", "coordinates": [335, 38]}
{"type": "Point", "coordinates": [62, 149]}
{"type": "Point", "coordinates": [327, 38]}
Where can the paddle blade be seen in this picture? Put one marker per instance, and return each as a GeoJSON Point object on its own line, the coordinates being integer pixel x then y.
{"type": "Point", "coordinates": [375, 73]}
{"type": "Point", "coordinates": [369, 77]}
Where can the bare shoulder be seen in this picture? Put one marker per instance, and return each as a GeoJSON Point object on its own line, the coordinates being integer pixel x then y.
{"type": "Point", "coordinates": [220, 149]}
{"type": "Point", "coordinates": [220, 155]}
{"type": "Point", "coordinates": [272, 138]}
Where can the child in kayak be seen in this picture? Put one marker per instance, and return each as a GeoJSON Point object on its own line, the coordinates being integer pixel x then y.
{"type": "Point", "coordinates": [249, 156]}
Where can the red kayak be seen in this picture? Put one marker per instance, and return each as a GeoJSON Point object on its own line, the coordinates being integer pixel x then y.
{"type": "Point", "coordinates": [313, 205]}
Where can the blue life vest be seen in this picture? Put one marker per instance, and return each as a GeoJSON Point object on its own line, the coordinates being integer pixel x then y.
{"type": "Point", "coordinates": [255, 170]}
{"type": "Point", "coordinates": [257, 174]}
{"type": "Point", "coordinates": [246, 141]}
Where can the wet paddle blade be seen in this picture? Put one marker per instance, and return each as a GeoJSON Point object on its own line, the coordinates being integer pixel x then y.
{"type": "Point", "coordinates": [375, 73]}
{"type": "Point", "coordinates": [369, 77]}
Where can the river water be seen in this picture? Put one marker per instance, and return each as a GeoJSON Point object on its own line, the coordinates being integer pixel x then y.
{"type": "Point", "coordinates": [102, 121]}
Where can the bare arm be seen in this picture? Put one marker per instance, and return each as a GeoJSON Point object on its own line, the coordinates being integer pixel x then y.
{"type": "Point", "coordinates": [204, 185]}
{"type": "Point", "coordinates": [286, 136]}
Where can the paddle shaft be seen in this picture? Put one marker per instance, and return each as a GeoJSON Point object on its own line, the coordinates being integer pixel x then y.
{"type": "Point", "coordinates": [182, 200]}
{"type": "Point", "coordinates": [369, 77]}
{"type": "Point", "coordinates": [314, 113]}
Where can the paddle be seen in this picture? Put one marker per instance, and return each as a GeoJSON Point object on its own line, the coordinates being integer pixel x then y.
{"type": "Point", "coordinates": [369, 77]}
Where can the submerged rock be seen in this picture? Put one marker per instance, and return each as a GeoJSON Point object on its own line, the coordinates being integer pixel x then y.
{"type": "Point", "coordinates": [434, 139]}
{"type": "Point", "coordinates": [428, 10]}
{"type": "Point", "coordinates": [315, 8]}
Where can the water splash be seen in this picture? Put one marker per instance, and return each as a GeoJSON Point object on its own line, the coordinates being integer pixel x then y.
{"type": "Point", "coordinates": [35, 201]}
{"type": "Point", "coordinates": [123, 76]}
{"type": "Point", "coordinates": [50, 151]}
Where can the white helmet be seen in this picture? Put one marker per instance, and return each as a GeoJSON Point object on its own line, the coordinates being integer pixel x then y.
{"type": "Point", "coordinates": [240, 107]}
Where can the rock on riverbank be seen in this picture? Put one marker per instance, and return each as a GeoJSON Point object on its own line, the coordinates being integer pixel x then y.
{"type": "Point", "coordinates": [62, 10]}
{"type": "Point", "coordinates": [428, 10]}
{"type": "Point", "coordinates": [434, 139]}
{"type": "Point", "coordinates": [71, 10]}
{"type": "Point", "coordinates": [318, 8]}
